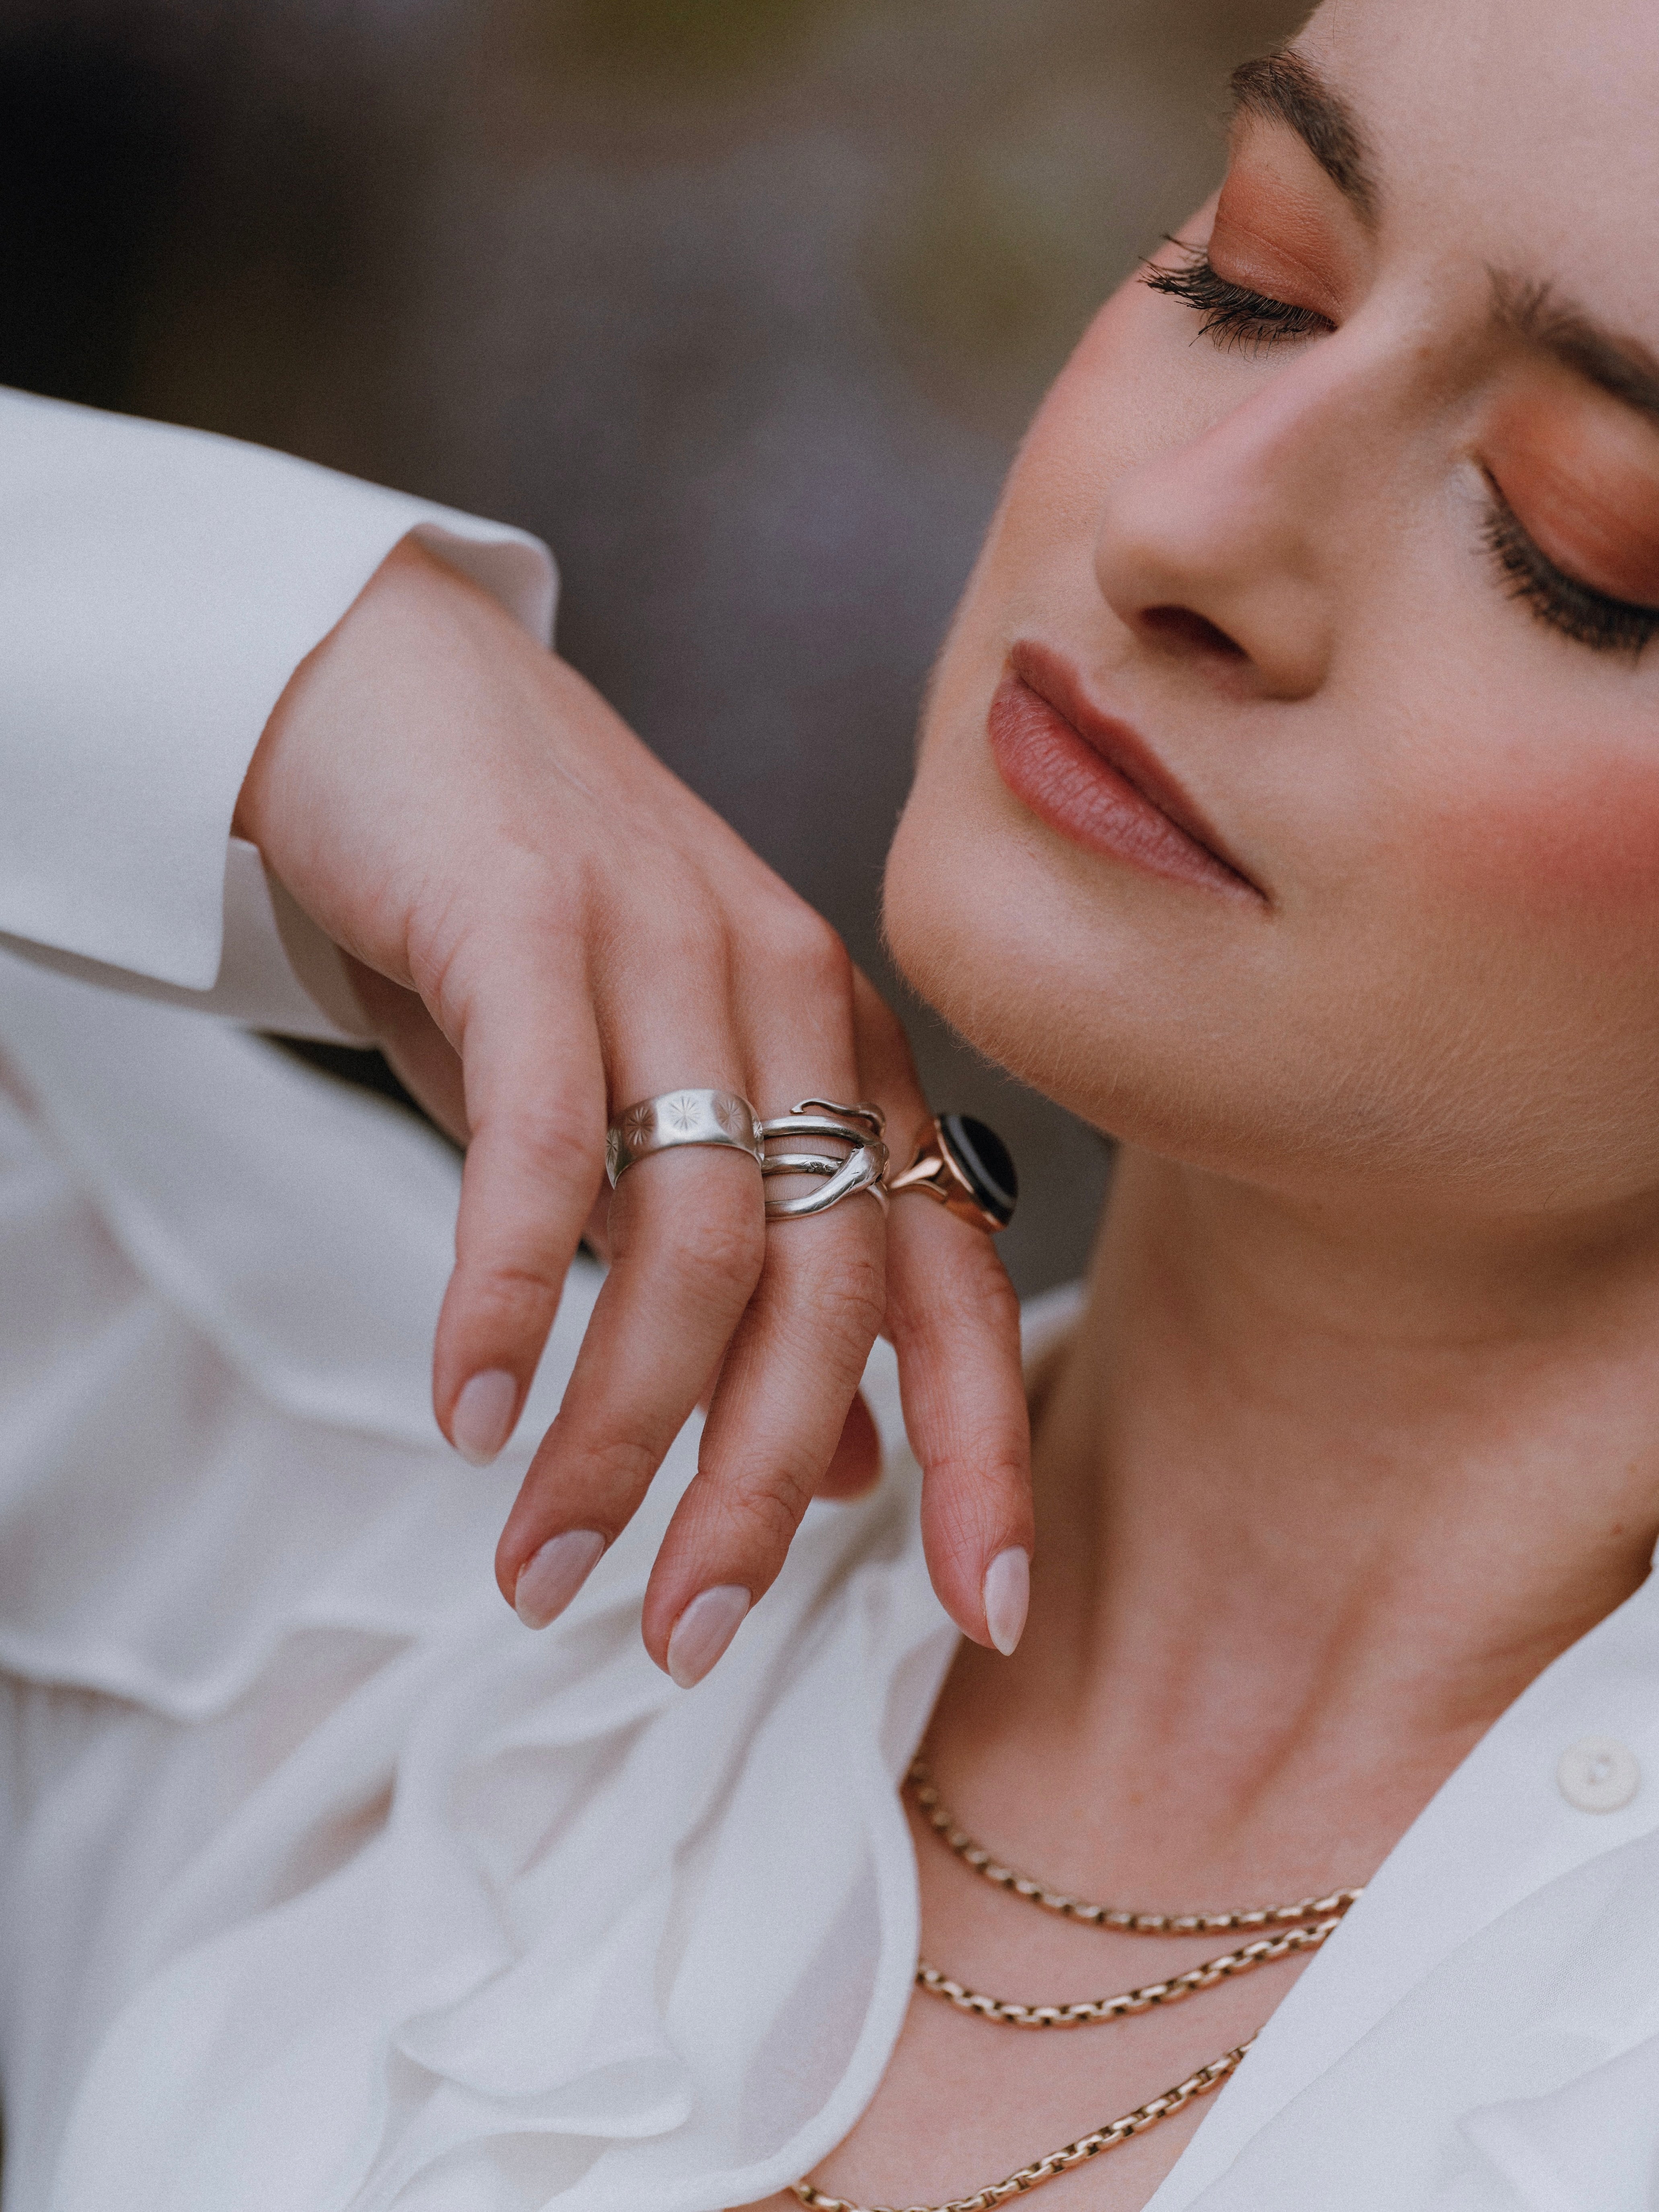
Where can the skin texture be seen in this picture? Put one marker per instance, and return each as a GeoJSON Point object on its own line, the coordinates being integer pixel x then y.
{"type": "Point", "coordinates": [545, 926]}
{"type": "Point", "coordinates": [1360, 1428]}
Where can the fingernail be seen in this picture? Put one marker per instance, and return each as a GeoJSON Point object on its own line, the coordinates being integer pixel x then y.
{"type": "Point", "coordinates": [549, 1579]}
{"type": "Point", "coordinates": [704, 1631]}
{"type": "Point", "coordinates": [482, 1420]}
{"type": "Point", "coordinates": [1007, 1595]}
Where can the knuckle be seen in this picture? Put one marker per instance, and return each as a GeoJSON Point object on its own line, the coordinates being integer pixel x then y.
{"type": "Point", "coordinates": [608, 1446]}
{"type": "Point", "coordinates": [679, 913]}
{"type": "Point", "coordinates": [763, 1512]}
{"type": "Point", "coordinates": [824, 1323]}
{"type": "Point", "coordinates": [436, 948]}
{"type": "Point", "coordinates": [555, 1147]}
{"type": "Point", "coordinates": [812, 951]}
{"type": "Point", "coordinates": [712, 1245]}
{"type": "Point", "coordinates": [616, 1469]}
{"type": "Point", "coordinates": [849, 1298]}
{"type": "Point", "coordinates": [963, 1303]}
{"type": "Point", "coordinates": [883, 1027]}
{"type": "Point", "coordinates": [506, 1295]}
{"type": "Point", "coordinates": [994, 1295]}
{"type": "Point", "coordinates": [966, 1513]}
{"type": "Point", "coordinates": [531, 893]}
{"type": "Point", "coordinates": [976, 1461]}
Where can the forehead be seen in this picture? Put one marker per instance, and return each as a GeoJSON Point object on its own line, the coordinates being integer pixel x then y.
{"type": "Point", "coordinates": [1521, 134]}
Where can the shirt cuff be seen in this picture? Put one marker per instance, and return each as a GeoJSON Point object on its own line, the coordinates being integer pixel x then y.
{"type": "Point", "coordinates": [161, 586]}
{"type": "Point", "coordinates": [279, 971]}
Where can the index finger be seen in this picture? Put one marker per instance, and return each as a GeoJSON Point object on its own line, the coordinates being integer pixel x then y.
{"type": "Point", "coordinates": [536, 1106]}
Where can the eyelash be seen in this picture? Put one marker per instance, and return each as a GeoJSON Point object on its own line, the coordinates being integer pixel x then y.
{"type": "Point", "coordinates": [1590, 618]}
{"type": "Point", "coordinates": [1237, 317]}
{"type": "Point", "coordinates": [1234, 316]}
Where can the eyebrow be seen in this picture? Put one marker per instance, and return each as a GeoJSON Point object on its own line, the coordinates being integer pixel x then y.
{"type": "Point", "coordinates": [1621, 366]}
{"type": "Point", "coordinates": [1285, 88]}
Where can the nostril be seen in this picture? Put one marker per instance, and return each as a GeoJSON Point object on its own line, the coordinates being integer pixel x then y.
{"type": "Point", "coordinates": [1179, 627]}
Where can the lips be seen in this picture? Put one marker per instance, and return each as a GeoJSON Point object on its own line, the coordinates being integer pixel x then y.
{"type": "Point", "coordinates": [1095, 781]}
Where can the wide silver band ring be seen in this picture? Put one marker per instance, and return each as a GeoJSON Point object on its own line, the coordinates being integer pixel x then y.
{"type": "Point", "coordinates": [862, 1165]}
{"type": "Point", "coordinates": [681, 1117]}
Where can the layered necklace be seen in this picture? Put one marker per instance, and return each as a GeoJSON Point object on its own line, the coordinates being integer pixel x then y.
{"type": "Point", "coordinates": [1277, 1932]}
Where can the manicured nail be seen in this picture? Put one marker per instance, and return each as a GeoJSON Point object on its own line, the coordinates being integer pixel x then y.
{"type": "Point", "coordinates": [1007, 1594]}
{"type": "Point", "coordinates": [482, 1420]}
{"type": "Point", "coordinates": [549, 1579]}
{"type": "Point", "coordinates": [704, 1631]}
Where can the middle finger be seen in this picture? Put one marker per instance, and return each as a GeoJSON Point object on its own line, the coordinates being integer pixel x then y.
{"type": "Point", "coordinates": [793, 1368]}
{"type": "Point", "coordinates": [687, 1234]}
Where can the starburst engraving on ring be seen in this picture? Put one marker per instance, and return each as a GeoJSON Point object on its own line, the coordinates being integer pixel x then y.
{"type": "Point", "coordinates": [681, 1117]}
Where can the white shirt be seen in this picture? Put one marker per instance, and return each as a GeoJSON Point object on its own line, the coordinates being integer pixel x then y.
{"type": "Point", "coordinates": [158, 587]}
{"type": "Point", "coordinates": [324, 1887]}
{"type": "Point", "coordinates": [613, 1944]}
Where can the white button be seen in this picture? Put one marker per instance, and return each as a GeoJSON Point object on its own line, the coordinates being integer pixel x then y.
{"type": "Point", "coordinates": [1599, 1774]}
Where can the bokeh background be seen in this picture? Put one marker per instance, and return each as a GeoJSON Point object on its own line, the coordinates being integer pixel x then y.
{"type": "Point", "coordinates": [741, 304]}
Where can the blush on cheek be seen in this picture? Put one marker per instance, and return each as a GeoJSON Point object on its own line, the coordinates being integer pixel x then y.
{"type": "Point", "coordinates": [1574, 842]}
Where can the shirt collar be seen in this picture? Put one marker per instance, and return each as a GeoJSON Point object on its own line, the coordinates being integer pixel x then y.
{"type": "Point", "coordinates": [1497, 1832]}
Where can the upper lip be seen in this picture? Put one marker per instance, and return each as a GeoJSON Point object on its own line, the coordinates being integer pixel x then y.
{"type": "Point", "coordinates": [1054, 680]}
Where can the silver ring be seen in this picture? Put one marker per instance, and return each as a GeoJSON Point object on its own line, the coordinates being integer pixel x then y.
{"type": "Point", "coordinates": [862, 1166]}
{"type": "Point", "coordinates": [681, 1117]}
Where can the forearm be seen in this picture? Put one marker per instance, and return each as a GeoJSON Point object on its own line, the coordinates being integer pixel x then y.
{"type": "Point", "coordinates": [159, 587]}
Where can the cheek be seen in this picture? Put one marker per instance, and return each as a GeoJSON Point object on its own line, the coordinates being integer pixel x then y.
{"type": "Point", "coordinates": [1519, 930]}
{"type": "Point", "coordinates": [1067, 458]}
{"type": "Point", "coordinates": [1036, 569]}
{"type": "Point", "coordinates": [1133, 388]}
{"type": "Point", "coordinates": [1572, 846]}
{"type": "Point", "coordinates": [1118, 401]}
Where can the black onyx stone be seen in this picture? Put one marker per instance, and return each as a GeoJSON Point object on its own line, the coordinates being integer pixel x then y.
{"type": "Point", "coordinates": [987, 1163]}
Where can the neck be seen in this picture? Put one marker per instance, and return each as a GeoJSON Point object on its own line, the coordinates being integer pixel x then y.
{"type": "Point", "coordinates": [1317, 1499]}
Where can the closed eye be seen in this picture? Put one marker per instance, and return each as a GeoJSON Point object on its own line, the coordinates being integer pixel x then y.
{"type": "Point", "coordinates": [1234, 316]}
{"type": "Point", "coordinates": [1577, 610]}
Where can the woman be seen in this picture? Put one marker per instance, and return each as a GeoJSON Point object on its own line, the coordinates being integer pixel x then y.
{"type": "Point", "coordinates": [1296, 729]}
{"type": "Point", "coordinates": [1284, 805]}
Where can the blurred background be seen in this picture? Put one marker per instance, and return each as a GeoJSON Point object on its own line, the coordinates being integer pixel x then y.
{"type": "Point", "coordinates": [740, 304]}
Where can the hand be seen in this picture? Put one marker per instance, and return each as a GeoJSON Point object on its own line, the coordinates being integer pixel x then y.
{"type": "Point", "coordinates": [545, 925]}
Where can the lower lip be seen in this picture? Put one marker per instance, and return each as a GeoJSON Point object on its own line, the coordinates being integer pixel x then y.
{"type": "Point", "coordinates": [1067, 784]}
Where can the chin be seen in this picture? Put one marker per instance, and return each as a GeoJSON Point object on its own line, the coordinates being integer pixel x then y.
{"type": "Point", "coordinates": [1095, 1010]}
{"type": "Point", "coordinates": [1148, 1016]}
{"type": "Point", "coordinates": [1127, 997]}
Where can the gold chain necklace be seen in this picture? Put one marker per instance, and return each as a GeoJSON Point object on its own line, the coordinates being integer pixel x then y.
{"type": "Point", "coordinates": [1091, 2010]}
{"type": "Point", "coordinates": [1115, 1918]}
{"type": "Point", "coordinates": [1325, 1913]}
{"type": "Point", "coordinates": [1058, 2162]}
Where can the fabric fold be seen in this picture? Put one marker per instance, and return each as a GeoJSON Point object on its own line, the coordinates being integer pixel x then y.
{"type": "Point", "coordinates": [509, 1918]}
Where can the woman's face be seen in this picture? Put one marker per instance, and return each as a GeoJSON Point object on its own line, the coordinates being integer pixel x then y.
{"type": "Point", "coordinates": [1289, 790]}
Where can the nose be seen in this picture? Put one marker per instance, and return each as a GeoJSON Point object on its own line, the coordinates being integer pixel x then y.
{"type": "Point", "coordinates": [1220, 551]}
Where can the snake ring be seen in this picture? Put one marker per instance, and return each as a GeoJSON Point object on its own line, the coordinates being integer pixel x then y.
{"type": "Point", "coordinates": [961, 1164]}
{"type": "Point", "coordinates": [860, 1163]}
